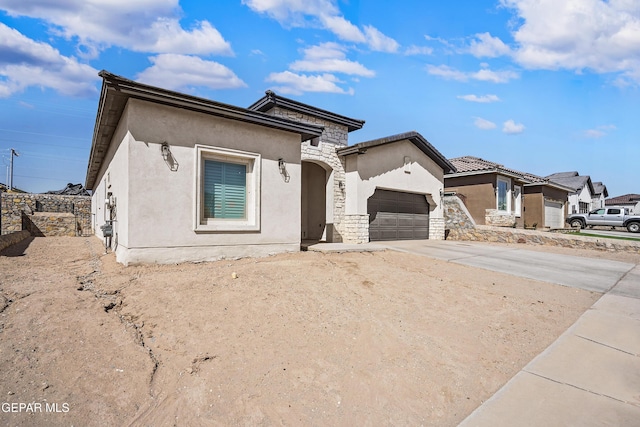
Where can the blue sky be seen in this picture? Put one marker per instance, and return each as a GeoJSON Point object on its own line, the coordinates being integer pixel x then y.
{"type": "Point", "coordinates": [542, 86]}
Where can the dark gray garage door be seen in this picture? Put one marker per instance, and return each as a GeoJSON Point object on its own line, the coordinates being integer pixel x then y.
{"type": "Point", "coordinates": [394, 215]}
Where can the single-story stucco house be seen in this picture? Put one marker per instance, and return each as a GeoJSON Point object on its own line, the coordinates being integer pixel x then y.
{"type": "Point", "coordinates": [183, 178]}
{"type": "Point", "coordinates": [501, 196]}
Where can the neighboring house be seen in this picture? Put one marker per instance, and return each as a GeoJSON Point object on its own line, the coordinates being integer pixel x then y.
{"type": "Point", "coordinates": [496, 195]}
{"type": "Point", "coordinates": [600, 193]}
{"type": "Point", "coordinates": [188, 179]}
{"type": "Point", "coordinates": [583, 192]}
{"type": "Point", "coordinates": [5, 188]}
{"type": "Point", "coordinates": [630, 201]}
{"type": "Point", "coordinates": [71, 190]}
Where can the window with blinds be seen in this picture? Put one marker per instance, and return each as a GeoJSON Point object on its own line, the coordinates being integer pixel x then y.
{"type": "Point", "coordinates": [225, 190]}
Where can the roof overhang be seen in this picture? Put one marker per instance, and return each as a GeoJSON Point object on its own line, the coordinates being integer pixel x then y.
{"type": "Point", "coordinates": [271, 100]}
{"type": "Point", "coordinates": [116, 91]}
{"type": "Point", "coordinates": [551, 185]}
{"type": "Point", "coordinates": [485, 171]}
{"type": "Point", "coordinates": [414, 137]}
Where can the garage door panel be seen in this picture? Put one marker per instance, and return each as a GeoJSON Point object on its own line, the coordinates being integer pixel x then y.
{"type": "Point", "coordinates": [386, 219]}
{"type": "Point", "coordinates": [421, 220]}
{"type": "Point", "coordinates": [394, 215]}
{"type": "Point", "coordinates": [553, 215]}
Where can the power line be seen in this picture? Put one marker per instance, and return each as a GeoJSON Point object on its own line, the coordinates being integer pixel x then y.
{"type": "Point", "coordinates": [44, 143]}
{"type": "Point", "coordinates": [42, 177]}
{"type": "Point", "coordinates": [43, 134]}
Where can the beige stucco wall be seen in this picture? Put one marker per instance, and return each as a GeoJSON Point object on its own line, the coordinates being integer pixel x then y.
{"type": "Point", "coordinates": [114, 177]}
{"type": "Point", "coordinates": [162, 203]}
{"type": "Point", "coordinates": [479, 195]}
{"type": "Point", "coordinates": [534, 200]}
{"type": "Point", "coordinates": [384, 167]}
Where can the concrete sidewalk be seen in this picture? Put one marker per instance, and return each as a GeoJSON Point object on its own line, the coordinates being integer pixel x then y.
{"type": "Point", "coordinates": [590, 376]}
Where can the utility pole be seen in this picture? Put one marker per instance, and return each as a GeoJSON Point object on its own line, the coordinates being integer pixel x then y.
{"type": "Point", "coordinates": [13, 153]}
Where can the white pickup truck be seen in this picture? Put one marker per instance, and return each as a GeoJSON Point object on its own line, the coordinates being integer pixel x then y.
{"type": "Point", "coordinates": [611, 216]}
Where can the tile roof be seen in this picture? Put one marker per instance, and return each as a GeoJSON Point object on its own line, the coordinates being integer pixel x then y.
{"type": "Point", "coordinates": [476, 164]}
{"type": "Point", "coordinates": [625, 199]}
{"type": "Point", "coordinates": [471, 164]}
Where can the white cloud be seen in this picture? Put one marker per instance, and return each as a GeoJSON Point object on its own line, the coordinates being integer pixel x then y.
{"type": "Point", "coordinates": [599, 132]}
{"type": "Point", "coordinates": [594, 133]}
{"type": "Point", "coordinates": [494, 76]}
{"type": "Point", "coordinates": [182, 72]}
{"type": "Point", "coordinates": [141, 25]}
{"type": "Point", "coordinates": [483, 124]}
{"type": "Point", "coordinates": [344, 29]}
{"type": "Point", "coordinates": [297, 84]}
{"type": "Point", "coordinates": [602, 36]}
{"type": "Point", "coordinates": [292, 12]}
{"type": "Point", "coordinates": [324, 14]}
{"type": "Point", "coordinates": [484, 74]}
{"type": "Point", "coordinates": [510, 127]}
{"type": "Point", "coordinates": [484, 99]}
{"type": "Point", "coordinates": [486, 46]}
{"type": "Point", "coordinates": [447, 72]}
{"type": "Point", "coordinates": [25, 63]}
{"type": "Point", "coordinates": [329, 57]}
{"type": "Point", "coordinates": [418, 50]}
{"type": "Point", "coordinates": [378, 41]}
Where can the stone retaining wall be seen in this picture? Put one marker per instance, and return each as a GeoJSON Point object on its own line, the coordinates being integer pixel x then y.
{"type": "Point", "coordinates": [456, 215]}
{"type": "Point", "coordinates": [45, 214]}
{"type": "Point", "coordinates": [484, 233]}
{"type": "Point", "coordinates": [7, 240]}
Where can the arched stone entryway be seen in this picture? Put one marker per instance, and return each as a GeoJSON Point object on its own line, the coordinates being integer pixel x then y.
{"type": "Point", "coordinates": [316, 200]}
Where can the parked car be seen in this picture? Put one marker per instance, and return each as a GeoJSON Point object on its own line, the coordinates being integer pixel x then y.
{"type": "Point", "coordinates": [611, 216]}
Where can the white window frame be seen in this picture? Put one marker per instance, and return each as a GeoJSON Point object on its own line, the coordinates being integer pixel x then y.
{"type": "Point", "coordinates": [508, 196]}
{"type": "Point", "coordinates": [517, 195]}
{"type": "Point", "coordinates": [251, 222]}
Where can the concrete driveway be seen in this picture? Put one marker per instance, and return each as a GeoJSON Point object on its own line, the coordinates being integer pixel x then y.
{"type": "Point", "coordinates": [585, 273]}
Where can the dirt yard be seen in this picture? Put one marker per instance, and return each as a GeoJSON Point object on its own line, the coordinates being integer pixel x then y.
{"type": "Point", "coordinates": [380, 338]}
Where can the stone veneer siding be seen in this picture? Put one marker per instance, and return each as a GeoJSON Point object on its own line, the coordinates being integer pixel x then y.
{"type": "Point", "coordinates": [45, 214]}
{"type": "Point", "coordinates": [456, 214]}
{"type": "Point", "coordinates": [484, 233]}
{"type": "Point", "coordinates": [499, 219]}
{"type": "Point", "coordinates": [436, 228]}
{"type": "Point", "coordinates": [333, 137]}
{"type": "Point", "coordinates": [356, 228]}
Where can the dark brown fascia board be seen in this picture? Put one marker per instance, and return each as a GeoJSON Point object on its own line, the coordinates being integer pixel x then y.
{"type": "Point", "coordinates": [177, 99]}
{"type": "Point", "coordinates": [271, 100]}
{"type": "Point", "coordinates": [485, 171]}
{"type": "Point", "coordinates": [126, 88]}
{"type": "Point", "coordinates": [414, 137]}
{"type": "Point", "coordinates": [552, 185]}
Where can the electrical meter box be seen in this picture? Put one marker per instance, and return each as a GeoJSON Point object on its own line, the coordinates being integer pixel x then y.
{"type": "Point", "coordinates": [107, 230]}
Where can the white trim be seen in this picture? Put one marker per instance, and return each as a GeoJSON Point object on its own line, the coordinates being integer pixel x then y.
{"type": "Point", "coordinates": [253, 161]}
{"type": "Point", "coordinates": [508, 195]}
{"type": "Point", "coordinates": [517, 195]}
